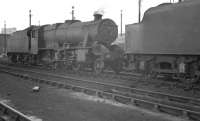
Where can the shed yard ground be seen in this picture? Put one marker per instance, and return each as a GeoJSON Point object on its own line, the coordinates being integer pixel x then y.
{"type": "Point", "coordinates": [53, 104]}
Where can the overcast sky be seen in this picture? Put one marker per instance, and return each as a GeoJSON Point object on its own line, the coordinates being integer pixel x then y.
{"type": "Point", "coordinates": [16, 12]}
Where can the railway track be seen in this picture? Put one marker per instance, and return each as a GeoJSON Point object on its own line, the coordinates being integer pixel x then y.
{"type": "Point", "coordinates": [124, 78]}
{"type": "Point", "coordinates": [133, 80]}
{"type": "Point", "coordinates": [175, 105]}
{"type": "Point", "coordinates": [8, 113]}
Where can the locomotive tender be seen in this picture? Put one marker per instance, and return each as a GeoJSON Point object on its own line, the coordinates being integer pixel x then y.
{"type": "Point", "coordinates": [167, 41]}
{"type": "Point", "coordinates": [74, 44]}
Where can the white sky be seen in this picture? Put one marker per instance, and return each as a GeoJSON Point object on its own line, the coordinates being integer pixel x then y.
{"type": "Point", "coordinates": [16, 12]}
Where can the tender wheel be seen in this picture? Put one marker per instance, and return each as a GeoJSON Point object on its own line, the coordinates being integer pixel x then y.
{"type": "Point", "coordinates": [98, 66]}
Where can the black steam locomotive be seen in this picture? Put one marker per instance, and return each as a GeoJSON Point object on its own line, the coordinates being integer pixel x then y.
{"type": "Point", "coordinates": [72, 44]}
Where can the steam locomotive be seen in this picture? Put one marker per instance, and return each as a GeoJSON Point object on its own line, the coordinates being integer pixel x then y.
{"type": "Point", "coordinates": [166, 41]}
{"type": "Point", "coordinates": [72, 44]}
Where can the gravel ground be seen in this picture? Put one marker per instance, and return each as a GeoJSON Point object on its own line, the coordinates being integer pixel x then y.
{"type": "Point", "coordinates": [52, 104]}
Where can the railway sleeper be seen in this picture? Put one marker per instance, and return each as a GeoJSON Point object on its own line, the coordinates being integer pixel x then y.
{"type": "Point", "coordinates": [53, 83]}
{"type": "Point", "coordinates": [90, 92]}
{"type": "Point", "coordinates": [41, 80]}
{"type": "Point", "coordinates": [195, 116]}
{"type": "Point", "coordinates": [157, 96]}
{"type": "Point", "coordinates": [61, 85]}
{"type": "Point", "coordinates": [48, 82]}
{"type": "Point", "coordinates": [172, 111]}
{"type": "Point", "coordinates": [122, 99]}
{"type": "Point", "coordinates": [67, 86]}
{"type": "Point", "coordinates": [144, 104]}
{"type": "Point", "coordinates": [105, 95]}
{"type": "Point", "coordinates": [77, 89]}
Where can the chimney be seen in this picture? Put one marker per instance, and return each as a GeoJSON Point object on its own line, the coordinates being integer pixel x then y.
{"type": "Point", "coordinates": [97, 17]}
